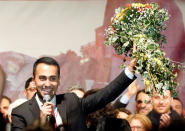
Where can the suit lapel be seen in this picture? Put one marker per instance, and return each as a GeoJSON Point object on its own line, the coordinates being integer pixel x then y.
{"type": "Point", "coordinates": [34, 108]}
{"type": "Point", "coordinates": [61, 106]}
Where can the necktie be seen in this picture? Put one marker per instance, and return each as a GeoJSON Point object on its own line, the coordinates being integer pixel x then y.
{"type": "Point", "coordinates": [54, 120]}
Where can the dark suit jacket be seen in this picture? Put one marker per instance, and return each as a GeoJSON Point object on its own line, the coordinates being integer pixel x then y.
{"type": "Point", "coordinates": [72, 109]}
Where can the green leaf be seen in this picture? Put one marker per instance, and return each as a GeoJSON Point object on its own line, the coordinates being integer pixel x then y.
{"type": "Point", "coordinates": [152, 46]}
{"type": "Point", "coordinates": [106, 43]}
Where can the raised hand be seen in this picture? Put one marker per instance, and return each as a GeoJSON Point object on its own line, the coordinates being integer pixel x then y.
{"type": "Point", "coordinates": [132, 89]}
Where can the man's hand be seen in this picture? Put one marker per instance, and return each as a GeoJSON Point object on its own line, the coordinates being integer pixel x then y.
{"type": "Point", "coordinates": [164, 120]}
{"type": "Point", "coordinates": [46, 110]}
{"type": "Point", "coordinates": [133, 62]}
{"type": "Point", "coordinates": [132, 89]}
{"type": "Point", "coordinates": [131, 65]}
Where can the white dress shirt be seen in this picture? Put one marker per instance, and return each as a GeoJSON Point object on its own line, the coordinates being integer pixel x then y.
{"type": "Point", "coordinates": [125, 99]}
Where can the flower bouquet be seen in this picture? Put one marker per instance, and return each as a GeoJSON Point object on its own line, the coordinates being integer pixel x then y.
{"type": "Point", "coordinates": [142, 25]}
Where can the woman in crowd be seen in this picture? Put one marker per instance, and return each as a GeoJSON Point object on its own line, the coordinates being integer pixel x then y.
{"type": "Point", "coordinates": [139, 122]}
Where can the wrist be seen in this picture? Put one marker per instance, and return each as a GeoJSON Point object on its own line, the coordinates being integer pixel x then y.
{"type": "Point", "coordinates": [129, 95]}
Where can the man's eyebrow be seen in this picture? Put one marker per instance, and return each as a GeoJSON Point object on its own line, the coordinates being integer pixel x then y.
{"type": "Point", "coordinates": [53, 76]}
{"type": "Point", "coordinates": [47, 76]}
{"type": "Point", "coordinates": [42, 76]}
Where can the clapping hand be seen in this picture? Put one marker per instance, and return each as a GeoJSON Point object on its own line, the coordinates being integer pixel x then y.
{"type": "Point", "coordinates": [164, 120]}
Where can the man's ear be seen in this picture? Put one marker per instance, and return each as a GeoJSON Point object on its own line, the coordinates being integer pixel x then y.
{"type": "Point", "coordinates": [33, 78]}
{"type": "Point", "coordinates": [25, 93]}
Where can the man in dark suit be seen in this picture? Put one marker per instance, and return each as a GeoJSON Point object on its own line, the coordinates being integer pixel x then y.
{"type": "Point", "coordinates": [68, 109]}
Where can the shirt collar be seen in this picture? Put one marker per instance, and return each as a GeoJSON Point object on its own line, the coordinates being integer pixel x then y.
{"type": "Point", "coordinates": [53, 100]}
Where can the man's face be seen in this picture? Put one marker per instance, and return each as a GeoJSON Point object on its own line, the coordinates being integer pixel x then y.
{"type": "Point", "coordinates": [4, 105]}
{"type": "Point", "coordinates": [177, 106]}
{"type": "Point", "coordinates": [162, 103]}
{"type": "Point", "coordinates": [46, 79]}
{"type": "Point", "coordinates": [143, 103]}
{"type": "Point", "coordinates": [30, 91]}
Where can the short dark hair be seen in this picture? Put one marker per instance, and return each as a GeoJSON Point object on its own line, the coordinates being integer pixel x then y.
{"type": "Point", "coordinates": [110, 124]}
{"type": "Point", "coordinates": [141, 91]}
{"type": "Point", "coordinates": [123, 109]}
{"type": "Point", "coordinates": [48, 61]}
{"type": "Point", "coordinates": [28, 82]}
{"type": "Point", "coordinates": [5, 97]}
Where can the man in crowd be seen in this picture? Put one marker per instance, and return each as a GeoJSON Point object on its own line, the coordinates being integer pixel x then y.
{"type": "Point", "coordinates": [177, 106]}
{"type": "Point", "coordinates": [30, 88]}
{"type": "Point", "coordinates": [4, 105]}
{"type": "Point", "coordinates": [69, 111]}
{"type": "Point", "coordinates": [143, 100]}
{"type": "Point", "coordinates": [163, 116]}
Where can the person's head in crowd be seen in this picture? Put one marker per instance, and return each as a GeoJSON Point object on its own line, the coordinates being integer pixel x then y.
{"type": "Point", "coordinates": [113, 124]}
{"type": "Point", "coordinates": [139, 122]}
{"type": "Point", "coordinates": [30, 88]}
{"type": "Point", "coordinates": [13, 105]}
{"type": "Point", "coordinates": [93, 118]}
{"type": "Point", "coordinates": [78, 90]}
{"type": "Point", "coordinates": [177, 105]}
{"type": "Point", "coordinates": [161, 102]}
{"type": "Point", "coordinates": [143, 102]}
{"type": "Point", "coordinates": [46, 75]}
{"type": "Point", "coordinates": [4, 105]}
{"type": "Point", "coordinates": [122, 113]}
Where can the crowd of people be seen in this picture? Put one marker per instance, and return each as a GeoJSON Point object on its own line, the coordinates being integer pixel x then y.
{"type": "Point", "coordinates": [92, 110]}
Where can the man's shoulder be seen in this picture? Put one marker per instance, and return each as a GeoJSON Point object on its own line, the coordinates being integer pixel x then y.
{"type": "Point", "coordinates": [175, 116]}
{"type": "Point", "coordinates": [69, 100]}
{"type": "Point", "coordinates": [22, 107]}
{"type": "Point", "coordinates": [66, 97]}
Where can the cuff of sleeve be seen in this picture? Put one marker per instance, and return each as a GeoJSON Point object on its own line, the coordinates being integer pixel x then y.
{"type": "Point", "coordinates": [124, 99]}
{"type": "Point", "coordinates": [129, 74]}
